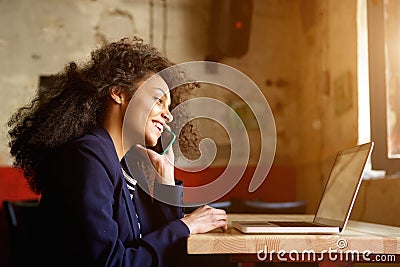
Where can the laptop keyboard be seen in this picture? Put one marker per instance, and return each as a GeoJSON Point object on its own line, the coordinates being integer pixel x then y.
{"type": "Point", "coordinates": [295, 224]}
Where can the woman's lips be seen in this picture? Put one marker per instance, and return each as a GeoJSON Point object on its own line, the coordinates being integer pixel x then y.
{"type": "Point", "coordinates": [159, 126]}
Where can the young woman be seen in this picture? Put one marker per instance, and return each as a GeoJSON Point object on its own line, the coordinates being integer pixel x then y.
{"type": "Point", "coordinates": [68, 142]}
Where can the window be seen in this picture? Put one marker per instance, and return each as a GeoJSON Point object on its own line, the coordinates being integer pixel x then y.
{"type": "Point", "coordinates": [383, 24]}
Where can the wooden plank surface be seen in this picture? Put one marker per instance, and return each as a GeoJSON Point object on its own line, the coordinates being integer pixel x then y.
{"type": "Point", "coordinates": [358, 236]}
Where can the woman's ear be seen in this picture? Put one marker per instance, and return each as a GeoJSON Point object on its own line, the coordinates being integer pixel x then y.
{"type": "Point", "coordinates": [116, 94]}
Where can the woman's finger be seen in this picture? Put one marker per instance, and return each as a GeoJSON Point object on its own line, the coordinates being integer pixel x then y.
{"type": "Point", "coordinates": [146, 152]}
{"type": "Point", "coordinates": [142, 150]}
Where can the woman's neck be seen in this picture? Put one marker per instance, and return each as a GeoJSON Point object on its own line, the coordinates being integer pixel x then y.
{"type": "Point", "coordinates": [116, 137]}
{"type": "Point", "coordinates": [112, 122]}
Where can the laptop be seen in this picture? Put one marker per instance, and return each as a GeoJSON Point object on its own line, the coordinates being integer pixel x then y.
{"type": "Point", "coordinates": [336, 202]}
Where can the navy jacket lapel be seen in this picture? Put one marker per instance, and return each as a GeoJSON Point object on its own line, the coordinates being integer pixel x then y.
{"type": "Point", "coordinates": [103, 134]}
{"type": "Point", "coordinates": [131, 211]}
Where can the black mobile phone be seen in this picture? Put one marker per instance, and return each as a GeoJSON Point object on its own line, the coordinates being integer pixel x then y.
{"type": "Point", "coordinates": [165, 142]}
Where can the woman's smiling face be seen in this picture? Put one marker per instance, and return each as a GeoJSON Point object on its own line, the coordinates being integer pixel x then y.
{"type": "Point", "coordinates": [148, 112]}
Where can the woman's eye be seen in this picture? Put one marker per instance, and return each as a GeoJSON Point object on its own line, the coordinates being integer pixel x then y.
{"type": "Point", "coordinates": [159, 100]}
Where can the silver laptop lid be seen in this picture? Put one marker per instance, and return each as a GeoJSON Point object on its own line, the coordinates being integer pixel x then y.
{"type": "Point", "coordinates": [342, 186]}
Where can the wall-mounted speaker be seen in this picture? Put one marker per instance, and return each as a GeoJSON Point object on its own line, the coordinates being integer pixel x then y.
{"type": "Point", "coordinates": [229, 28]}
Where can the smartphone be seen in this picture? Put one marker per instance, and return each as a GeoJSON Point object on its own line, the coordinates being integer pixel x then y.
{"type": "Point", "coordinates": [168, 137]}
{"type": "Point", "coordinates": [165, 142]}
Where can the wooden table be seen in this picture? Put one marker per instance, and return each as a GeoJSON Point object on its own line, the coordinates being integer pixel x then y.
{"type": "Point", "coordinates": [367, 240]}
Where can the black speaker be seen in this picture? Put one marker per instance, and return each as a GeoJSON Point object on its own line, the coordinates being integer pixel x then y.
{"type": "Point", "coordinates": [229, 27]}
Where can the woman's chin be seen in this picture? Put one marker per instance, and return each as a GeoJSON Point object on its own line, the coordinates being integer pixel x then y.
{"type": "Point", "coordinates": [151, 143]}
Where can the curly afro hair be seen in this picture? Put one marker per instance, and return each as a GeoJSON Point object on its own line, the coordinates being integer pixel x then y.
{"type": "Point", "coordinates": [75, 104]}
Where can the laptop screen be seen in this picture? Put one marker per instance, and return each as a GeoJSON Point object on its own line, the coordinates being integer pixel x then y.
{"type": "Point", "coordinates": [342, 186]}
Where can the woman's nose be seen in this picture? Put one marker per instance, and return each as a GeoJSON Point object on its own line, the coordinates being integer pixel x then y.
{"type": "Point", "coordinates": [167, 116]}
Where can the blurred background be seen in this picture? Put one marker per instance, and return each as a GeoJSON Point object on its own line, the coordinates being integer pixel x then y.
{"type": "Point", "coordinates": [312, 60]}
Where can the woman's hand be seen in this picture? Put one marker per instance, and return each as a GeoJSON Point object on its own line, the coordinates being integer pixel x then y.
{"type": "Point", "coordinates": [163, 164]}
{"type": "Point", "coordinates": [205, 219]}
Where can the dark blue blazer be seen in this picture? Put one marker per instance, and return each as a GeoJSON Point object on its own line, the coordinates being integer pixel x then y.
{"type": "Point", "coordinates": [87, 217]}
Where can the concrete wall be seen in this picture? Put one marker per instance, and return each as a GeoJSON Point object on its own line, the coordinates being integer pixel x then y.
{"type": "Point", "coordinates": [272, 63]}
{"type": "Point", "coordinates": [327, 124]}
{"type": "Point", "coordinates": [328, 112]}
